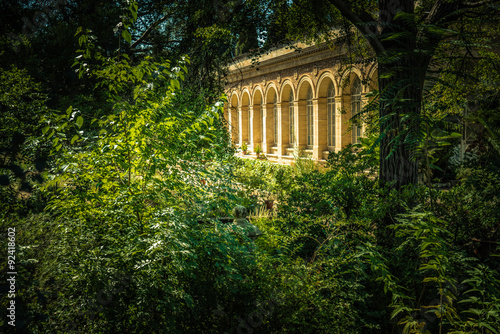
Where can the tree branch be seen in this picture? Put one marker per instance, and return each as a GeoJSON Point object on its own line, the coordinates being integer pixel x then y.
{"type": "Point", "coordinates": [476, 4]}
{"type": "Point", "coordinates": [442, 9]}
{"type": "Point", "coordinates": [147, 32]}
{"type": "Point", "coordinates": [437, 12]}
{"type": "Point", "coordinates": [362, 22]}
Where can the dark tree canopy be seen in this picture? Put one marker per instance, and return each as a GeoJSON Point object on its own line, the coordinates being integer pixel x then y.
{"type": "Point", "coordinates": [405, 37]}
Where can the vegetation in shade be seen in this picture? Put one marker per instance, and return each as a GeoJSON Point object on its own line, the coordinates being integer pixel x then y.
{"type": "Point", "coordinates": [23, 156]}
{"type": "Point", "coordinates": [118, 174]}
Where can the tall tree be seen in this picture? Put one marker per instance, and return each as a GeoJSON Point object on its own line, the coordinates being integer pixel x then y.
{"type": "Point", "coordinates": [404, 34]}
{"type": "Point", "coordinates": [211, 32]}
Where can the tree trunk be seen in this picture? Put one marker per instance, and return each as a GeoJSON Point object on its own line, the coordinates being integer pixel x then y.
{"type": "Point", "coordinates": [402, 66]}
{"type": "Point", "coordinates": [401, 85]}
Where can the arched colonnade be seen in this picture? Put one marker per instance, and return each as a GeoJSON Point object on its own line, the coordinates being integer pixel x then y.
{"type": "Point", "coordinates": [310, 112]}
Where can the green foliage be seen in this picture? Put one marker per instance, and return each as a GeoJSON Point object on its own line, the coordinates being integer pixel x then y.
{"type": "Point", "coordinates": [127, 203]}
{"type": "Point", "coordinates": [324, 292]}
{"type": "Point", "coordinates": [23, 155]}
{"type": "Point", "coordinates": [432, 291]}
{"type": "Point", "coordinates": [423, 267]}
{"type": "Point", "coordinates": [482, 300]}
{"type": "Point", "coordinates": [435, 256]}
{"type": "Point", "coordinates": [472, 208]}
{"type": "Point", "coordinates": [244, 147]}
{"type": "Point", "coordinates": [131, 242]}
{"type": "Point", "coordinates": [438, 135]}
{"type": "Point", "coordinates": [33, 237]}
{"type": "Point", "coordinates": [262, 177]}
{"type": "Point", "coordinates": [164, 277]}
{"type": "Point", "coordinates": [258, 150]}
{"type": "Point", "coordinates": [340, 190]}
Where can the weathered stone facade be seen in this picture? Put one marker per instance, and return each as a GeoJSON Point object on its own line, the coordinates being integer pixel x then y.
{"type": "Point", "coordinates": [297, 100]}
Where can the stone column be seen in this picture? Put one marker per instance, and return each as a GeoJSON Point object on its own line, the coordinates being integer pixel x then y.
{"type": "Point", "coordinates": [284, 125]}
{"type": "Point", "coordinates": [346, 120]}
{"type": "Point", "coordinates": [301, 124]}
{"type": "Point", "coordinates": [256, 126]}
{"type": "Point", "coordinates": [243, 124]}
{"type": "Point", "coordinates": [339, 125]}
{"type": "Point", "coordinates": [265, 131]}
{"type": "Point", "coordinates": [234, 125]}
{"type": "Point", "coordinates": [226, 113]}
{"type": "Point", "coordinates": [320, 127]}
{"type": "Point", "coordinates": [364, 101]}
{"type": "Point", "coordinates": [269, 128]}
{"type": "Point", "coordinates": [251, 134]}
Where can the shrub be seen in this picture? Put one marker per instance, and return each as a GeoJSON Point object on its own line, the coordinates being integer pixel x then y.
{"type": "Point", "coordinates": [131, 253]}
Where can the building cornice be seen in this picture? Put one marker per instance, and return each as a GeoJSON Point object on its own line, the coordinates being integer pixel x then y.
{"type": "Point", "coordinates": [280, 59]}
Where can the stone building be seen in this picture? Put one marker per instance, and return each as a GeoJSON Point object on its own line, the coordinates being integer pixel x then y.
{"type": "Point", "coordinates": [297, 99]}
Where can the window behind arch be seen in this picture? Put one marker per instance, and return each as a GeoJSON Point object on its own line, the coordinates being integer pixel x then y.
{"type": "Point", "coordinates": [356, 108]}
{"type": "Point", "coordinates": [330, 104]}
{"type": "Point", "coordinates": [291, 120]}
{"type": "Point", "coordinates": [310, 118]}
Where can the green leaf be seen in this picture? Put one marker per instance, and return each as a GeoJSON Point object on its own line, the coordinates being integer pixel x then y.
{"type": "Point", "coordinates": [493, 330]}
{"type": "Point", "coordinates": [75, 137]}
{"type": "Point", "coordinates": [79, 121]}
{"type": "Point", "coordinates": [126, 35]}
{"type": "Point", "coordinates": [133, 10]}
{"type": "Point", "coordinates": [175, 83]}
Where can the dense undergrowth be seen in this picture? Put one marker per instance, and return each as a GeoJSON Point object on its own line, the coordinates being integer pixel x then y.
{"type": "Point", "coordinates": [123, 235]}
{"type": "Point", "coordinates": [111, 256]}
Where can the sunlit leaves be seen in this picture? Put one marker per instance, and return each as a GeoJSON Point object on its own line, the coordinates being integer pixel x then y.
{"type": "Point", "coordinates": [126, 35]}
{"type": "Point", "coordinates": [79, 121]}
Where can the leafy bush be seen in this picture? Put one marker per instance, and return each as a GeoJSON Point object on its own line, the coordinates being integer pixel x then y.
{"type": "Point", "coordinates": [131, 250]}
{"type": "Point", "coordinates": [262, 177]}
{"type": "Point", "coordinates": [23, 155]}
{"type": "Point", "coordinates": [322, 293]}
{"type": "Point", "coordinates": [473, 210]}
{"type": "Point", "coordinates": [341, 190]}
{"type": "Point", "coordinates": [430, 281]}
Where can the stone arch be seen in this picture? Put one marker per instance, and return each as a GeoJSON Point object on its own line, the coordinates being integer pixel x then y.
{"type": "Point", "coordinates": [287, 117]}
{"type": "Point", "coordinates": [322, 85]}
{"type": "Point", "coordinates": [245, 128]}
{"type": "Point", "coordinates": [356, 97]}
{"type": "Point", "coordinates": [257, 118]}
{"type": "Point", "coordinates": [257, 95]}
{"type": "Point", "coordinates": [286, 87]}
{"type": "Point", "coordinates": [233, 99]}
{"type": "Point", "coordinates": [370, 111]}
{"type": "Point", "coordinates": [234, 117]}
{"type": "Point", "coordinates": [351, 105]}
{"type": "Point", "coordinates": [304, 127]}
{"type": "Point", "coordinates": [271, 87]}
{"type": "Point", "coordinates": [347, 78]}
{"type": "Point", "coordinates": [328, 117]}
{"type": "Point", "coordinates": [302, 87]}
{"type": "Point", "coordinates": [245, 97]}
{"type": "Point", "coordinates": [372, 78]}
{"type": "Point", "coordinates": [272, 121]}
